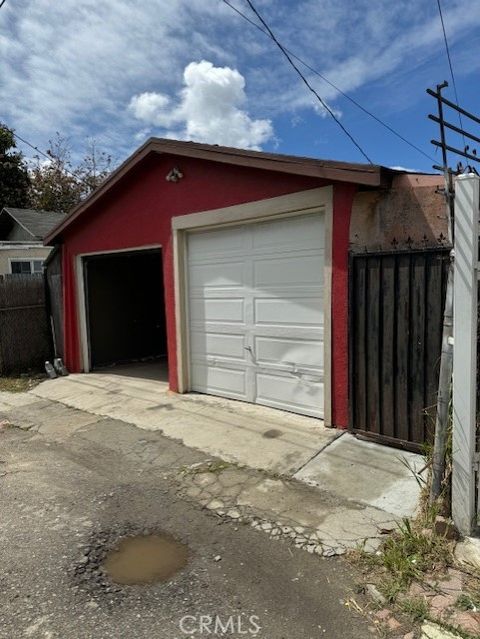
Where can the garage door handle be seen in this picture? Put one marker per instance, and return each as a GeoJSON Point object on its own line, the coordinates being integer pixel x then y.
{"type": "Point", "coordinates": [250, 350]}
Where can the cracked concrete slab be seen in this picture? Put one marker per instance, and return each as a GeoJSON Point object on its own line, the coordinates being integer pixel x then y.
{"type": "Point", "coordinates": [8, 400]}
{"type": "Point", "coordinates": [242, 433]}
{"type": "Point", "coordinates": [316, 520]}
{"type": "Point", "coordinates": [48, 417]}
{"type": "Point", "coordinates": [64, 505]}
{"type": "Point", "coordinates": [312, 519]}
{"type": "Point", "coordinates": [286, 475]}
{"type": "Point", "coordinates": [367, 473]}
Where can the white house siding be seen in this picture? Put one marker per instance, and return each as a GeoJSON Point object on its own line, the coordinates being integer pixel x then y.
{"type": "Point", "coordinates": [19, 252]}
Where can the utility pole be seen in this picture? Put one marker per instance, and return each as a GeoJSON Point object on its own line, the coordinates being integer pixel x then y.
{"type": "Point", "coordinates": [446, 361]}
{"type": "Point", "coordinates": [459, 350]}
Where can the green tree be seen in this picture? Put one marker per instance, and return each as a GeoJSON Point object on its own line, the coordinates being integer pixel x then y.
{"type": "Point", "coordinates": [14, 178]}
{"type": "Point", "coordinates": [57, 184]}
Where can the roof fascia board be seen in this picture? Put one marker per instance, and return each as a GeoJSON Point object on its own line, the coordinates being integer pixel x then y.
{"type": "Point", "coordinates": [373, 176]}
{"type": "Point", "coordinates": [14, 246]}
{"type": "Point", "coordinates": [367, 176]}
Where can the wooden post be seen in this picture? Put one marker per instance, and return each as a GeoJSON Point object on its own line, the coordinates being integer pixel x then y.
{"type": "Point", "coordinates": [467, 193]}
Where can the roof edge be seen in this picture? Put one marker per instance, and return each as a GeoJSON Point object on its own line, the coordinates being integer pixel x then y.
{"type": "Point", "coordinates": [8, 212]}
{"type": "Point", "coordinates": [362, 174]}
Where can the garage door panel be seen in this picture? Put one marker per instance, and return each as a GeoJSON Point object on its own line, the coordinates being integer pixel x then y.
{"type": "Point", "coordinates": [296, 311]}
{"type": "Point", "coordinates": [219, 328]}
{"type": "Point", "coordinates": [290, 393]}
{"type": "Point", "coordinates": [256, 313]}
{"type": "Point", "coordinates": [289, 352]}
{"type": "Point", "coordinates": [217, 310]}
{"type": "Point", "coordinates": [217, 345]}
{"type": "Point", "coordinates": [219, 243]}
{"type": "Point", "coordinates": [285, 332]}
{"type": "Point", "coordinates": [294, 270]}
{"type": "Point", "coordinates": [301, 233]}
{"type": "Point", "coordinates": [205, 276]}
{"type": "Point", "coordinates": [218, 380]}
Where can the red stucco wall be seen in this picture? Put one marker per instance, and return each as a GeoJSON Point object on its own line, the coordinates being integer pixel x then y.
{"type": "Point", "coordinates": [342, 208]}
{"type": "Point", "coordinates": [138, 212]}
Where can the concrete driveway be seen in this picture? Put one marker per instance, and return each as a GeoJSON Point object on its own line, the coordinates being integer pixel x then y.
{"type": "Point", "coordinates": [72, 485]}
{"type": "Point", "coordinates": [289, 476]}
{"type": "Point", "coordinates": [242, 433]}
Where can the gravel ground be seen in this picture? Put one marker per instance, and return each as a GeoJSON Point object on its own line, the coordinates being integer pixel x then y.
{"type": "Point", "coordinates": [64, 504]}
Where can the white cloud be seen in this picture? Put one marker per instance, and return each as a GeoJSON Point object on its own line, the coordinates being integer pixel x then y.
{"type": "Point", "coordinates": [151, 108]}
{"type": "Point", "coordinates": [404, 168]}
{"type": "Point", "coordinates": [208, 109]}
{"type": "Point", "coordinates": [357, 42]}
{"type": "Point", "coordinates": [72, 66]}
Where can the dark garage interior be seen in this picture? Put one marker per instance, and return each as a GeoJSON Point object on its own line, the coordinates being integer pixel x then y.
{"type": "Point", "coordinates": [125, 307]}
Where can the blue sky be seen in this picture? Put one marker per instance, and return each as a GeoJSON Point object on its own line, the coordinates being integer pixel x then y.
{"type": "Point", "coordinates": [122, 70]}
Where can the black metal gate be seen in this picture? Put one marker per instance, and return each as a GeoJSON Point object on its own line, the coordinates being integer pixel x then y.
{"type": "Point", "coordinates": [396, 315]}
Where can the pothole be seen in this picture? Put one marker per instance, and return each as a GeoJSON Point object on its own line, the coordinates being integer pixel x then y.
{"type": "Point", "coordinates": [145, 559]}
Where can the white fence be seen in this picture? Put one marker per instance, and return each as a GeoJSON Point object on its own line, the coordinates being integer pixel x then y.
{"type": "Point", "coordinates": [465, 456]}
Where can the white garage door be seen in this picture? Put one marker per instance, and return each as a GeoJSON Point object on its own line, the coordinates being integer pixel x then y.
{"type": "Point", "coordinates": [256, 312]}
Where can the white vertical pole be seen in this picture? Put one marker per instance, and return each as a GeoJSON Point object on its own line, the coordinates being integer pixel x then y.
{"type": "Point", "coordinates": [467, 193]}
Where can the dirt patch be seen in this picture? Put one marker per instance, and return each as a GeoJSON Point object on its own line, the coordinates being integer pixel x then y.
{"type": "Point", "coordinates": [145, 559]}
{"type": "Point", "coordinates": [20, 384]}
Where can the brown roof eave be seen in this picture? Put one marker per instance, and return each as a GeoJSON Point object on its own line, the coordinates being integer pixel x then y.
{"type": "Point", "coordinates": [367, 175]}
{"type": "Point", "coordinates": [330, 170]}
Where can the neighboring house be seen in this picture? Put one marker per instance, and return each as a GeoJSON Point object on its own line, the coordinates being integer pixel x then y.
{"type": "Point", "coordinates": [21, 239]}
{"type": "Point", "coordinates": [237, 265]}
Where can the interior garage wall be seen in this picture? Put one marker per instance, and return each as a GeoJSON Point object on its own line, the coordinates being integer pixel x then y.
{"type": "Point", "coordinates": [126, 322]}
{"type": "Point", "coordinates": [138, 212]}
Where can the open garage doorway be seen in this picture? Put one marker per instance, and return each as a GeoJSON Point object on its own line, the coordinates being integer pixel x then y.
{"type": "Point", "coordinates": [125, 312]}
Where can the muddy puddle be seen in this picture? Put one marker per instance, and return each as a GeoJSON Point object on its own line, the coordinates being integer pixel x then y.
{"type": "Point", "coordinates": [145, 559]}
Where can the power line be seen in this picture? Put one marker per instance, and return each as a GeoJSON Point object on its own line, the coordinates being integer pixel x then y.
{"type": "Point", "coordinates": [32, 146]}
{"type": "Point", "coordinates": [447, 49]}
{"type": "Point", "coordinates": [45, 155]}
{"type": "Point", "coordinates": [334, 86]}
{"type": "Point", "coordinates": [306, 82]}
{"type": "Point", "coordinates": [2, 3]}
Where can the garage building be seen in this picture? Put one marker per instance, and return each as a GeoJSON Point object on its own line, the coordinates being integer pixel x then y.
{"type": "Point", "coordinates": [230, 265]}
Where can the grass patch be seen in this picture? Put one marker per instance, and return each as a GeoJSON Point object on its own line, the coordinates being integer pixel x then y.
{"type": "Point", "coordinates": [468, 601]}
{"type": "Point", "coordinates": [408, 554]}
{"type": "Point", "coordinates": [20, 384]}
{"type": "Point", "coordinates": [415, 607]}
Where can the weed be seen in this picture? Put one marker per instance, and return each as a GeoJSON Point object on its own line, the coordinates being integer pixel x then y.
{"type": "Point", "coordinates": [19, 384]}
{"type": "Point", "coordinates": [390, 588]}
{"type": "Point", "coordinates": [415, 607]}
{"type": "Point", "coordinates": [421, 481]}
{"type": "Point", "coordinates": [410, 552]}
{"type": "Point", "coordinates": [468, 602]}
